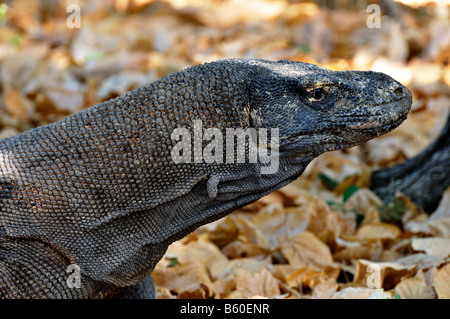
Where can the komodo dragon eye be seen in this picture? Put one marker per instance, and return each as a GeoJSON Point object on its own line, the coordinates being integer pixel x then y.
{"type": "Point", "coordinates": [320, 98]}
{"type": "Point", "coordinates": [316, 94]}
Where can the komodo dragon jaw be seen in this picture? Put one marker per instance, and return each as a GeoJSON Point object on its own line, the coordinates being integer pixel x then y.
{"type": "Point", "coordinates": [100, 189]}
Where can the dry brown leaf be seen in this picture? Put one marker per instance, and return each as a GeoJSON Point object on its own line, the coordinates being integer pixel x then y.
{"type": "Point", "coordinates": [422, 261]}
{"type": "Point", "coordinates": [363, 201]}
{"type": "Point", "coordinates": [249, 242]}
{"type": "Point", "coordinates": [300, 13]}
{"type": "Point", "coordinates": [281, 223]}
{"type": "Point", "coordinates": [295, 276]}
{"type": "Point", "coordinates": [441, 282]}
{"type": "Point", "coordinates": [412, 212]}
{"type": "Point", "coordinates": [242, 248]}
{"type": "Point", "coordinates": [19, 71]}
{"type": "Point", "coordinates": [66, 95]}
{"type": "Point", "coordinates": [361, 293]}
{"type": "Point", "coordinates": [355, 176]}
{"type": "Point", "coordinates": [195, 251]}
{"type": "Point", "coordinates": [344, 243]}
{"type": "Point", "coordinates": [325, 288]}
{"type": "Point", "coordinates": [323, 218]}
{"type": "Point", "coordinates": [425, 73]}
{"type": "Point", "coordinates": [187, 281]}
{"type": "Point", "coordinates": [272, 198]}
{"type": "Point", "coordinates": [226, 268]}
{"type": "Point", "coordinates": [267, 203]}
{"type": "Point", "coordinates": [409, 139]}
{"type": "Point", "coordinates": [446, 75]}
{"type": "Point", "coordinates": [387, 150]}
{"type": "Point", "coordinates": [117, 84]}
{"type": "Point", "coordinates": [293, 191]}
{"type": "Point", "coordinates": [306, 250]}
{"type": "Point", "coordinates": [230, 12]}
{"type": "Point", "coordinates": [439, 222]}
{"type": "Point", "coordinates": [439, 104]}
{"type": "Point", "coordinates": [367, 250]}
{"type": "Point", "coordinates": [200, 249]}
{"type": "Point", "coordinates": [439, 247]}
{"type": "Point", "coordinates": [319, 217]}
{"type": "Point", "coordinates": [261, 283]}
{"type": "Point", "coordinates": [371, 216]}
{"type": "Point", "coordinates": [224, 285]}
{"type": "Point", "coordinates": [381, 275]}
{"type": "Point", "coordinates": [250, 233]}
{"type": "Point", "coordinates": [164, 293]}
{"type": "Point", "coordinates": [25, 14]}
{"type": "Point", "coordinates": [8, 132]}
{"type": "Point", "coordinates": [16, 105]}
{"type": "Point", "coordinates": [419, 224]}
{"type": "Point", "coordinates": [415, 288]}
{"type": "Point", "coordinates": [378, 231]}
{"type": "Point", "coordinates": [225, 232]}
{"type": "Point", "coordinates": [440, 227]}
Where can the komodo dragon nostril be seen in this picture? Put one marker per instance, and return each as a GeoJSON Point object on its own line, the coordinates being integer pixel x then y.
{"type": "Point", "coordinates": [399, 92]}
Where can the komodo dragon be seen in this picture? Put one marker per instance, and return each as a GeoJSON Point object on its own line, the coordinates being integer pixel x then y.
{"type": "Point", "coordinates": [101, 190]}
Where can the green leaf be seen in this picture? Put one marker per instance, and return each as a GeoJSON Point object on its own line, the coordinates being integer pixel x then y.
{"type": "Point", "coordinates": [349, 192]}
{"type": "Point", "coordinates": [331, 203]}
{"type": "Point", "coordinates": [94, 56]}
{"type": "Point", "coordinates": [15, 41]}
{"type": "Point", "coordinates": [3, 11]}
{"type": "Point", "coordinates": [392, 212]}
{"type": "Point", "coordinates": [173, 262]}
{"type": "Point", "coordinates": [358, 217]}
{"type": "Point", "coordinates": [304, 48]}
{"type": "Point", "coordinates": [330, 183]}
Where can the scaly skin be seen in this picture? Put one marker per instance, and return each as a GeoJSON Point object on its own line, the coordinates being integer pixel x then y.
{"type": "Point", "coordinates": [100, 189]}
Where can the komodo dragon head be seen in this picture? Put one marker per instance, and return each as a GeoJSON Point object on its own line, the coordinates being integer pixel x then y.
{"type": "Point", "coordinates": [318, 110]}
